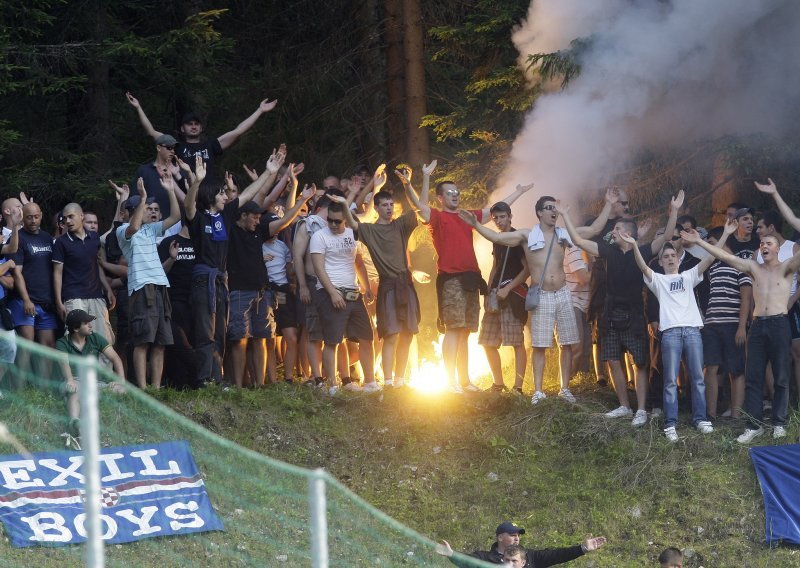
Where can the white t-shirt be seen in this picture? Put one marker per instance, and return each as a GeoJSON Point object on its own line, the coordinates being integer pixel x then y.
{"type": "Point", "coordinates": [340, 256]}
{"type": "Point", "coordinates": [675, 293]}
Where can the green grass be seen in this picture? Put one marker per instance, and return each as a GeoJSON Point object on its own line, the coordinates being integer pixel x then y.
{"type": "Point", "coordinates": [450, 467]}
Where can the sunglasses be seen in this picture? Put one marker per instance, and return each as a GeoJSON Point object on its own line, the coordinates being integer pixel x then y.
{"type": "Point", "coordinates": [167, 147]}
{"type": "Point", "coordinates": [624, 203]}
{"type": "Point", "coordinates": [452, 192]}
{"type": "Point", "coordinates": [336, 222]}
{"type": "Point", "coordinates": [676, 238]}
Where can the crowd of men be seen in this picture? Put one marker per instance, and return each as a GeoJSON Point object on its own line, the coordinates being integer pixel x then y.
{"type": "Point", "coordinates": [213, 284]}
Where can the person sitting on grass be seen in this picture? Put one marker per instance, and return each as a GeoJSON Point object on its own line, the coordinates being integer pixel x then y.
{"type": "Point", "coordinates": [679, 322]}
{"type": "Point", "coordinates": [508, 534]}
{"type": "Point", "coordinates": [82, 341]}
{"type": "Point", "coordinates": [671, 558]}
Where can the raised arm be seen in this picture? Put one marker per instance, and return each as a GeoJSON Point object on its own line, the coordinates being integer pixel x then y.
{"type": "Point", "coordinates": [519, 192]}
{"type": "Point", "coordinates": [424, 196]}
{"type": "Point", "coordinates": [694, 237]}
{"type": "Point", "coordinates": [291, 214]}
{"type": "Point", "coordinates": [350, 219]}
{"type": "Point", "coordinates": [13, 243]}
{"type": "Point", "coordinates": [138, 213]}
{"type": "Point", "coordinates": [637, 254]}
{"type": "Point", "coordinates": [229, 138]}
{"type": "Point", "coordinates": [152, 132]}
{"type": "Point", "coordinates": [509, 239]}
{"type": "Point", "coordinates": [786, 211]}
{"type": "Point", "coordinates": [591, 231]}
{"type": "Point", "coordinates": [411, 194]}
{"type": "Point", "coordinates": [741, 264]}
{"type": "Point", "coordinates": [585, 244]}
{"type": "Point", "coordinates": [264, 180]}
{"type": "Point", "coordinates": [674, 206]}
{"type": "Point", "coordinates": [190, 205]}
{"type": "Point", "coordinates": [174, 208]}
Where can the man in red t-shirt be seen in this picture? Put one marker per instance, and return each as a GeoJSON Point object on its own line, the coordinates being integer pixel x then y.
{"type": "Point", "coordinates": [458, 282]}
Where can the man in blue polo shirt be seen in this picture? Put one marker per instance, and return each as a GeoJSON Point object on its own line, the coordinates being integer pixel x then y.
{"type": "Point", "coordinates": [78, 281]}
{"type": "Point", "coordinates": [150, 309]}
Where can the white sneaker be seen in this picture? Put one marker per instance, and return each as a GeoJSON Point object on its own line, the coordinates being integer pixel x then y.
{"type": "Point", "coordinates": [352, 386]}
{"type": "Point", "coordinates": [456, 389]}
{"type": "Point", "coordinates": [472, 388]}
{"type": "Point", "coordinates": [656, 412]}
{"type": "Point", "coordinates": [621, 412]}
{"type": "Point", "coordinates": [640, 418]}
{"type": "Point", "coordinates": [778, 432]}
{"type": "Point", "coordinates": [333, 391]}
{"type": "Point", "coordinates": [749, 435]}
{"type": "Point", "coordinates": [388, 383]}
{"type": "Point", "coordinates": [399, 382]}
{"type": "Point", "coordinates": [371, 387]}
{"type": "Point", "coordinates": [671, 434]}
{"type": "Point", "coordinates": [537, 397]}
{"type": "Point", "coordinates": [705, 427]}
{"type": "Point", "coordinates": [727, 413]}
{"type": "Point", "coordinates": [567, 395]}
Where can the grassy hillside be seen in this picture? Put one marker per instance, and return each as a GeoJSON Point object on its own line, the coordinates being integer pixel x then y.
{"type": "Point", "coordinates": [452, 467]}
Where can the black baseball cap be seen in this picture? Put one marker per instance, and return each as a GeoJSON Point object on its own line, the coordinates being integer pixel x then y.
{"type": "Point", "coordinates": [76, 318]}
{"type": "Point", "coordinates": [510, 528]}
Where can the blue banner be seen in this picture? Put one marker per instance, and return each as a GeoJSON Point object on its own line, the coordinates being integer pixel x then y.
{"type": "Point", "coordinates": [778, 470]}
{"type": "Point", "coordinates": [148, 490]}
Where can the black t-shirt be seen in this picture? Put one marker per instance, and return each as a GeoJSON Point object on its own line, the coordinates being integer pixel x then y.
{"type": "Point", "coordinates": [513, 265]}
{"type": "Point", "coordinates": [35, 256]}
{"type": "Point", "coordinates": [748, 248]}
{"type": "Point", "coordinates": [113, 250]}
{"type": "Point", "coordinates": [152, 184]}
{"type": "Point", "coordinates": [180, 275]}
{"type": "Point", "coordinates": [247, 270]}
{"type": "Point", "coordinates": [210, 235]}
{"type": "Point", "coordinates": [208, 149]}
{"type": "Point", "coordinates": [623, 277]}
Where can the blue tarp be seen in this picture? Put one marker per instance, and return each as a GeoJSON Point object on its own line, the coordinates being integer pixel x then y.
{"type": "Point", "coordinates": [778, 470]}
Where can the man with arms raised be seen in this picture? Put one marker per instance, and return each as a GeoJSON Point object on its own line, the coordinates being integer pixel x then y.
{"type": "Point", "coordinates": [398, 307]}
{"type": "Point", "coordinates": [622, 324]}
{"type": "Point", "coordinates": [459, 281]}
{"type": "Point", "coordinates": [769, 338]}
{"type": "Point", "coordinates": [546, 265]}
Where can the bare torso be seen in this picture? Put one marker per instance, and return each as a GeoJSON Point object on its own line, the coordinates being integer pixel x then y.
{"type": "Point", "coordinates": [554, 279]}
{"type": "Point", "coordinates": [771, 289]}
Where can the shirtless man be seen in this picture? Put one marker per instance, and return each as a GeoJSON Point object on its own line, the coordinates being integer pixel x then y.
{"type": "Point", "coordinates": [769, 337]}
{"type": "Point", "coordinates": [555, 308]}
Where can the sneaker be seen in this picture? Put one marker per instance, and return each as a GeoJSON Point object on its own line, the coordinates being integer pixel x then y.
{"type": "Point", "coordinates": [567, 395]}
{"type": "Point", "coordinates": [353, 387]}
{"type": "Point", "coordinates": [671, 434]}
{"type": "Point", "coordinates": [749, 435]}
{"type": "Point", "coordinates": [778, 432]}
{"type": "Point", "coordinates": [656, 412]}
{"type": "Point", "coordinates": [640, 418]}
{"type": "Point", "coordinates": [70, 442]}
{"type": "Point", "coordinates": [333, 391]}
{"type": "Point", "coordinates": [537, 397]}
{"type": "Point", "coordinates": [621, 412]}
{"type": "Point", "coordinates": [727, 413]}
{"type": "Point", "coordinates": [456, 389]}
{"type": "Point", "coordinates": [518, 390]}
{"type": "Point", "coordinates": [371, 387]}
{"type": "Point", "coordinates": [388, 383]}
{"type": "Point", "coordinates": [497, 388]}
{"type": "Point", "coordinates": [399, 382]}
{"type": "Point", "coordinates": [705, 427]}
{"type": "Point", "coordinates": [472, 388]}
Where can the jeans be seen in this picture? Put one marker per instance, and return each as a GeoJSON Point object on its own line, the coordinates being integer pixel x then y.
{"type": "Point", "coordinates": [769, 340]}
{"type": "Point", "coordinates": [675, 342]}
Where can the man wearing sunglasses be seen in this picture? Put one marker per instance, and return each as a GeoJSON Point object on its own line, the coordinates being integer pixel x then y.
{"type": "Point", "coordinates": [459, 281]}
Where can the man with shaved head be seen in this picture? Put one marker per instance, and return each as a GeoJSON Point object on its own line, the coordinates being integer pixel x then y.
{"type": "Point", "coordinates": [32, 302]}
{"type": "Point", "coordinates": [78, 281]}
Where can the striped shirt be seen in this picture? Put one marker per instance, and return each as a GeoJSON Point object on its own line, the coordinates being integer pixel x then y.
{"type": "Point", "coordinates": [144, 265]}
{"type": "Point", "coordinates": [725, 297]}
{"type": "Point", "coordinates": [574, 261]}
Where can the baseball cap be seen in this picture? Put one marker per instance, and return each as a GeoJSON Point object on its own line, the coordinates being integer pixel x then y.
{"type": "Point", "coordinates": [743, 211]}
{"type": "Point", "coordinates": [510, 528]}
{"type": "Point", "coordinates": [77, 317]}
{"type": "Point", "coordinates": [133, 201]}
{"type": "Point", "coordinates": [191, 117]}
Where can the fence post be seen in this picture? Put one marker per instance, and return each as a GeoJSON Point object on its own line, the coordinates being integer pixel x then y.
{"type": "Point", "coordinates": [90, 442]}
{"type": "Point", "coordinates": [319, 521]}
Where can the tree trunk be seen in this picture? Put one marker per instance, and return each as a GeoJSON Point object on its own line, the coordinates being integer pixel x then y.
{"type": "Point", "coordinates": [725, 188]}
{"type": "Point", "coordinates": [395, 87]}
{"type": "Point", "coordinates": [418, 149]}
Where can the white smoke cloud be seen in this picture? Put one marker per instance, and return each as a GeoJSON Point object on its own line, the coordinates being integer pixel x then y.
{"type": "Point", "coordinates": [658, 74]}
